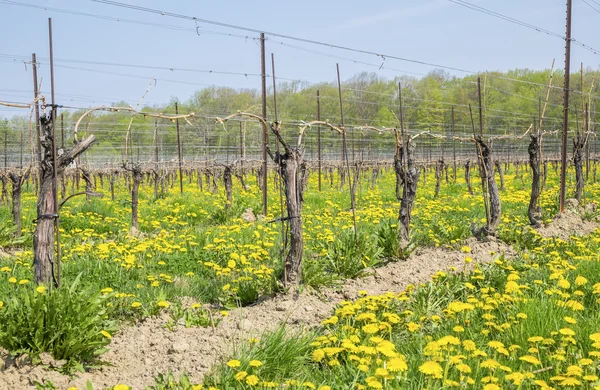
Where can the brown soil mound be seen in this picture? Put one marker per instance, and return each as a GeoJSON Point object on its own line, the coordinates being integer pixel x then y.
{"type": "Point", "coordinates": [567, 224]}
{"type": "Point", "coordinates": [140, 352]}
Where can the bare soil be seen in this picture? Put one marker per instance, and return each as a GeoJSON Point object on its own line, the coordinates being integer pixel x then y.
{"type": "Point", "coordinates": [569, 223]}
{"type": "Point", "coordinates": [140, 352]}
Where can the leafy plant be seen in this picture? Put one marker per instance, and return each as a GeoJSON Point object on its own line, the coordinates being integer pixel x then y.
{"type": "Point", "coordinates": [349, 256]}
{"type": "Point", "coordinates": [8, 239]}
{"type": "Point", "coordinates": [316, 275]}
{"type": "Point", "coordinates": [69, 324]}
{"type": "Point", "coordinates": [168, 381]}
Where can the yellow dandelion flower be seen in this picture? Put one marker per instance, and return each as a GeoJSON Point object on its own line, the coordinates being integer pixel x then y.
{"type": "Point", "coordinates": [567, 332]}
{"type": "Point", "coordinates": [490, 364]}
{"type": "Point", "coordinates": [234, 363]}
{"type": "Point", "coordinates": [530, 359]}
{"type": "Point", "coordinates": [370, 328]}
{"type": "Point", "coordinates": [580, 281]}
{"type": "Point", "coordinates": [240, 376]}
{"type": "Point", "coordinates": [397, 364]}
{"type": "Point", "coordinates": [412, 327]}
{"type": "Point", "coordinates": [491, 386]}
{"type": "Point", "coordinates": [41, 289]}
{"type": "Point", "coordinates": [252, 380]}
{"type": "Point", "coordinates": [572, 382]}
{"type": "Point", "coordinates": [432, 368]}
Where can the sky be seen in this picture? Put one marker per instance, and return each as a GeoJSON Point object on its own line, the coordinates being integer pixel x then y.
{"type": "Point", "coordinates": [181, 53]}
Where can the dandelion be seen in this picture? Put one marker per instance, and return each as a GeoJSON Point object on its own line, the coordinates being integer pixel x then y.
{"type": "Point", "coordinates": [41, 289]}
{"type": "Point", "coordinates": [233, 363]}
{"type": "Point", "coordinates": [431, 368]}
{"type": "Point", "coordinates": [530, 359]}
{"type": "Point", "coordinates": [567, 332]}
{"type": "Point", "coordinates": [121, 387]}
{"type": "Point", "coordinates": [255, 363]}
{"type": "Point", "coordinates": [163, 304]}
{"type": "Point", "coordinates": [564, 284]}
{"type": "Point", "coordinates": [240, 375]}
{"type": "Point", "coordinates": [371, 328]}
{"type": "Point", "coordinates": [572, 382]}
{"type": "Point", "coordinates": [464, 368]}
{"type": "Point", "coordinates": [490, 363]}
{"type": "Point", "coordinates": [595, 337]}
{"type": "Point", "coordinates": [580, 281]}
{"type": "Point", "coordinates": [106, 334]}
{"type": "Point", "coordinates": [412, 327]}
{"type": "Point", "coordinates": [491, 386]}
{"type": "Point", "coordinates": [136, 304]}
{"type": "Point", "coordinates": [397, 364]}
{"type": "Point", "coordinates": [252, 380]}
{"type": "Point", "coordinates": [318, 355]}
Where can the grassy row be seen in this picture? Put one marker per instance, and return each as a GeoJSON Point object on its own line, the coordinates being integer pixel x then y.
{"type": "Point", "coordinates": [531, 322]}
{"type": "Point", "coordinates": [192, 247]}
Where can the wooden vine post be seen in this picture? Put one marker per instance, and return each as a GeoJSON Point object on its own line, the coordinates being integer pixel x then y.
{"type": "Point", "coordinates": [45, 271]}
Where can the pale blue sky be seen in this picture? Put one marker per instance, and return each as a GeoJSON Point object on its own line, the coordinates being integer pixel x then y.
{"type": "Point", "coordinates": [435, 31]}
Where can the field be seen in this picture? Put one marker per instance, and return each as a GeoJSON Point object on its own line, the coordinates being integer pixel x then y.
{"type": "Point", "coordinates": [194, 299]}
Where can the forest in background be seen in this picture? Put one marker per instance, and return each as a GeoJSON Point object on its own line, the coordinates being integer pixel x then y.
{"type": "Point", "coordinates": [511, 102]}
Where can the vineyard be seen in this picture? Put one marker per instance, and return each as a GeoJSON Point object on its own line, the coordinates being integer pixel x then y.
{"type": "Point", "coordinates": [370, 233]}
{"type": "Point", "coordinates": [196, 292]}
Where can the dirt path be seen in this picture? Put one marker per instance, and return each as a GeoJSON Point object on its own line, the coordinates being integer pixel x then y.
{"type": "Point", "coordinates": [140, 352]}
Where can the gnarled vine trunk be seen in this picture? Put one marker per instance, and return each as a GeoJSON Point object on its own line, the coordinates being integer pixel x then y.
{"type": "Point", "coordinates": [468, 176]}
{"type": "Point", "coordinates": [136, 173]}
{"type": "Point", "coordinates": [17, 181]}
{"type": "Point", "coordinates": [500, 171]}
{"type": "Point", "coordinates": [44, 269]}
{"type": "Point", "coordinates": [533, 211]}
{"type": "Point", "coordinates": [398, 172]}
{"type": "Point", "coordinates": [228, 182]}
{"type": "Point", "coordinates": [489, 179]}
{"type": "Point", "coordinates": [290, 163]}
{"type": "Point", "coordinates": [578, 145]}
{"type": "Point", "coordinates": [439, 169]}
{"type": "Point", "coordinates": [410, 178]}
